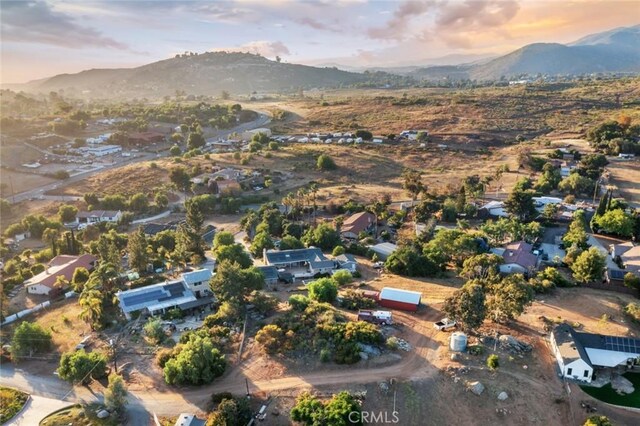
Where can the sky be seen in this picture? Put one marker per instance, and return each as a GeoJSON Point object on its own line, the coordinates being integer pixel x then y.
{"type": "Point", "coordinates": [43, 38]}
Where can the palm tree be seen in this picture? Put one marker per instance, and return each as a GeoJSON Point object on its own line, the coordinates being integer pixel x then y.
{"type": "Point", "coordinates": [91, 303]}
{"type": "Point", "coordinates": [313, 188]}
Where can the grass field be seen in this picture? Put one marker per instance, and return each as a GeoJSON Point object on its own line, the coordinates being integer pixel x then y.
{"type": "Point", "coordinates": [78, 415]}
{"type": "Point", "coordinates": [607, 394]}
{"type": "Point", "coordinates": [11, 402]}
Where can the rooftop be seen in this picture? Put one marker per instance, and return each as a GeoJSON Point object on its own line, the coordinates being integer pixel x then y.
{"type": "Point", "coordinates": [520, 254]}
{"type": "Point", "coordinates": [156, 296]}
{"type": "Point", "coordinates": [358, 222]}
{"type": "Point", "coordinates": [269, 272]}
{"type": "Point", "coordinates": [400, 295]}
{"type": "Point", "coordinates": [98, 213]}
{"type": "Point", "coordinates": [197, 276]}
{"type": "Point", "coordinates": [310, 254]}
{"type": "Point", "coordinates": [64, 265]}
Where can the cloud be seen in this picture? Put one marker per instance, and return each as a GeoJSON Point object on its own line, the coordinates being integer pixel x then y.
{"type": "Point", "coordinates": [397, 27]}
{"type": "Point", "coordinates": [37, 22]}
{"type": "Point", "coordinates": [262, 47]}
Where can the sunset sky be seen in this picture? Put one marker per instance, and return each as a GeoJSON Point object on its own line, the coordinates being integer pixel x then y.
{"type": "Point", "coordinates": [44, 38]}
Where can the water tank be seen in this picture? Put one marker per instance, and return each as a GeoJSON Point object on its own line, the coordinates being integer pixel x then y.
{"type": "Point", "coordinates": [458, 342]}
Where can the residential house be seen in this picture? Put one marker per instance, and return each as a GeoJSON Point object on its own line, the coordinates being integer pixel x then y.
{"type": "Point", "coordinates": [225, 187]}
{"type": "Point", "coordinates": [198, 281]}
{"type": "Point", "coordinates": [62, 265]}
{"type": "Point", "coordinates": [567, 167]}
{"type": "Point", "coordinates": [84, 219]}
{"type": "Point", "coordinates": [493, 209]}
{"type": "Point", "coordinates": [227, 174]}
{"type": "Point", "coordinates": [145, 138]}
{"type": "Point", "coordinates": [301, 263]}
{"type": "Point", "coordinates": [578, 354]}
{"type": "Point", "coordinates": [628, 256]}
{"type": "Point", "coordinates": [357, 223]}
{"type": "Point", "coordinates": [157, 299]}
{"type": "Point", "coordinates": [270, 274]}
{"type": "Point", "coordinates": [347, 261]}
{"type": "Point", "coordinates": [518, 259]}
{"type": "Point", "coordinates": [384, 250]}
{"type": "Point", "coordinates": [187, 419]}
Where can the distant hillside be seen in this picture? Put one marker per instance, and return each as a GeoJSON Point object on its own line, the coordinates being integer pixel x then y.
{"type": "Point", "coordinates": [608, 52]}
{"type": "Point", "coordinates": [207, 73]}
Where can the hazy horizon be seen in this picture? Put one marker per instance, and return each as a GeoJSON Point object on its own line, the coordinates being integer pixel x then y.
{"type": "Point", "coordinates": [44, 38]}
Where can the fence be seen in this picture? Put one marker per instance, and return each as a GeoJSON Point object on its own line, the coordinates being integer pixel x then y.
{"type": "Point", "coordinates": [618, 288]}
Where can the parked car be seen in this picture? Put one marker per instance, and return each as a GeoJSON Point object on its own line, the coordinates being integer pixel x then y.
{"type": "Point", "coordinates": [376, 317]}
{"type": "Point", "coordinates": [378, 265]}
{"type": "Point", "coordinates": [444, 324]}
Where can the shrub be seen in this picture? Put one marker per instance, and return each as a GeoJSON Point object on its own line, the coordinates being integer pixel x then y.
{"type": "Point", "coordinates": [154, 331]}
{"type": "Point", "coordinates": [28, 339]}
{"type": "Point", "coordinates": [163, 355]}
{"type": "Point", "coordinates": [196, 362]}
{"type": "Point", "coordinates": [79, 366]}
{"type": "Point", "coordinates": [326, 163]}
{"type": "Point", "coordinates": [342, 277]}
{"type": "Point", "coordinates": [323, 290]}
{"type": "Point", "coordinates": [338, 250]}
{"type": "Point", "coordinates": [633, 311]}
{"type": "Point", "coordinates": [493, 361]}
{"type": "Point", "coordinates": [299, 302]}
{"type": "Point", "coordinates": [325, 355]}
{"type": "Point", "coordinates": [392, 343]}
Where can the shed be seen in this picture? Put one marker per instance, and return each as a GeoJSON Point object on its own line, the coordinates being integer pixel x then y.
{"type": "Point", "coordinates": [400, 299]}
{"type": "Point", "coordinates": [384, 250]}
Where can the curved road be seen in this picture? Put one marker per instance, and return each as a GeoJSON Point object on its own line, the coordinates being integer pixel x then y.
{"type": "Point", "coordinates": [169, 402]}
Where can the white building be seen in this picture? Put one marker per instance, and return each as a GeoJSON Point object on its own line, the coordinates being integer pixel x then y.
{"type": "Point", "coordinates": [198, 281]}
{"type": "Point", "coordinates": [579, 354]}
{"type": "Point", "coordinates": [100, 150]}
{"type": "Point", "coordinates": [96, 216]}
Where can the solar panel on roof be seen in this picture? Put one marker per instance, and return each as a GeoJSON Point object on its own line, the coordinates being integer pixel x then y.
{"type": "Point", "coordinates": [136, 299]}
{"type": "Point", "coordinates": [616, 274]}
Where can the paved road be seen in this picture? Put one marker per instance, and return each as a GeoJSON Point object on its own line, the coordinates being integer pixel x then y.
{"type": "Point", "coordinates": [36, 408]}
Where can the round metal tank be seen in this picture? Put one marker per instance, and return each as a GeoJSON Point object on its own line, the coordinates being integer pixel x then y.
{"type": "Point", "coordinates": [458, 342]}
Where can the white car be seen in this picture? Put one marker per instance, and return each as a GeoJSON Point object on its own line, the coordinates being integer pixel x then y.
{"type": "Point", "coordinates": [444, 324]}
{"type": "Point", "coordinates": [378, 265]}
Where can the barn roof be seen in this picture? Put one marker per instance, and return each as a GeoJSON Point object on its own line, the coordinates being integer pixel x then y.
{"type": "Point", "coordinates": [400, 295]}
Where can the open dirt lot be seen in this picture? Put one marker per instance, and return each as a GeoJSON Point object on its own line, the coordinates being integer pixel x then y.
{"type": "Point", "coordinates": [625, 177]}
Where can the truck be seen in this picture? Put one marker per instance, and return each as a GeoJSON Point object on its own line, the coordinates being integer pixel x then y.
{"type": "Point", "coordinates": [376, 317]}
{"type": "Point", "coordinates": [444, 324]}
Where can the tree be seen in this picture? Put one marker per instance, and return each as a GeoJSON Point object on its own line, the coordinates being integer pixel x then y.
{"type": "Point", "coordinates": [290, 242]}
{"type": "Point", "coordinates": [631, 280]}
{"type": "Point", "coordinates": [67, 213]}
{"type": "Point", "coordinates": [234, 253]}
{"type": "Point", "coordinates": [262, 241]}
{"type": "Point", "coordinates": [137, 250]}
{"type": "Point", "coordinates": [519, 204]}
{"type": "Point", "coordinates": [139, 203]}
{"type": "Point", "coordinates": [616, 222]}
{"type": "Point", "coordinates": [409, 262]}
{"type": "Point", "coordinates": [508, 298]}
{"type": "Point", "coordinates": [225, 95]}
{"type": "Point", "coordinates": [231, 412]}
{"type": "Point", "coordinates": [115, 396]}
{"type": "Point", "coordinates": [576, 235]}
{"type": "Point", "coordinates": [223, 238]}
{"type": "Point", "coordinates": [161, 200]}
{"type": "Point", "coordinates": [255, 146]}
{"type": "Point", "coordinates": [81, 367]}
{"type": "Point", "coordinates": [91, 303]}
{"type": "Point", "coordinates": [323, 236]}
{"type": "Point", "coordinates": [271, 338]}
{"type": "Point", "coordinates": [195, 140]}
{"type": "Point", "coordinates": [589, 266]}
{"type": "Point", "coordinates": [412, 183]}
{"type": "Point", "coordinates": [342, 277]}
{"type": "Point", "coordinates": [180, 178]}
{"type": "Point", "coordinates": [231, 282]}
{"type": "Point", "coordinates": [596, 420]}
{"type": "Point", "coordinates": [80, 277]}
{"type": "Point", "coordinates": [576, 184]}
{"type": "Point", "coordinates": [154, 331]}
{"type": "Point", "coordinates": [493, 361]}
{"type": "Point", "coordinates": [323, 290]}
{"type": "Point", "coordinates": [325, 163]}
{"type": "Point", "coordinates": [364, 134]}
{"type": "Point", "coordinates": [341, 410]}
{"type": "Point", "coordinates": [197, 362]}
{"type": "Point", "coordinates": [483, 266]}
{"type": "Point", "coordinates": [29, 339]}
{"type": "Point", "coordinates": [467, 306]}
{"type": "Point", "coordinates": [175, 151]}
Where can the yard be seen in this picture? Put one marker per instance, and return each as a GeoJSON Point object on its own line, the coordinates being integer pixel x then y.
{"type": "Point", "coordinates": [11, 402]}
{"type": "Point", "coordinates": [78, 415]}
{"type": "Point", "coordinates": [608, 395]}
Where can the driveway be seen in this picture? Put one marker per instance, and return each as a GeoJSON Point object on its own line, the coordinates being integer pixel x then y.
{"type": "Point", "coordinates": [36, 409]}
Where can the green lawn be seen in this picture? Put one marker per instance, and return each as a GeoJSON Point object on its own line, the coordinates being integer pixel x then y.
{"type": "Point", "coordinates": [78, 415]}
{"type": "Point", "coordinates": [607, 394]}
{"type": "Point", "coordinates": [11, 401]}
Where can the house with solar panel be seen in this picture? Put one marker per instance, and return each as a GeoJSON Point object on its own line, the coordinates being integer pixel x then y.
{"type": "Point", "coordinates": [300, 263]}
{"type": "Point", "coordinates": [580, 355]}
{"type": "Point", "coordinates": [187, 294]}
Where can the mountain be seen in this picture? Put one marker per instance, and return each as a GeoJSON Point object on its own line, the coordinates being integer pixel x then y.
{"type": "Point", "coordinates": [207, 73]}
{"type": "Point", "coordinates": [614, 51]}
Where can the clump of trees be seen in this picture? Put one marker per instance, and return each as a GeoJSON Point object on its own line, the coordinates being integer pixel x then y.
{"type": "Point", "coordinates": [341, 410]}
{"type": "Point", "coordinates": [616, 136]}
{"type": "Point", "coordinates": [80, 366]}
{"type": "Point", "coordinates": [28, 340]}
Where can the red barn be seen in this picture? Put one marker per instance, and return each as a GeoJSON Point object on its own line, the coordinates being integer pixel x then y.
{"type": "Point", "coordinates": [396, 298]}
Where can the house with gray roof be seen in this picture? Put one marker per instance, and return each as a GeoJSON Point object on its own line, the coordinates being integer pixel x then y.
{"type": "Point", "coordinates": [198, 281]}
{"type": "Point", "coordinates": [270, 274]}
{"type": "Point", "coordinates": [347, 261]}
{"type": "Point", "coordinates": [579, 354]}
{"type": "Point", "coordinates": [301, 263]}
